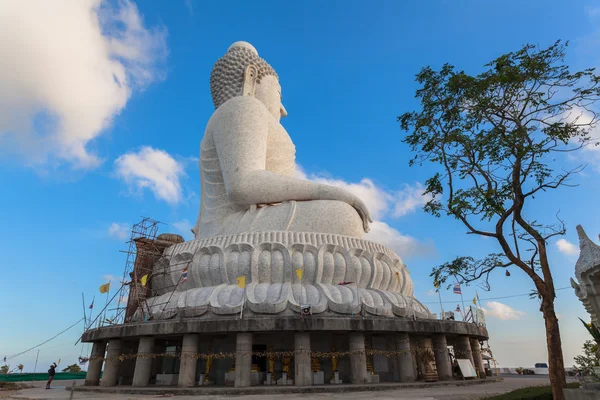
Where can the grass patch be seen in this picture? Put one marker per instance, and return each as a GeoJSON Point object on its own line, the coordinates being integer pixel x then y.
{"type": "Point", "coordinates": [531, 393]}
{"type": "Point", "coordinates": [13, 386]}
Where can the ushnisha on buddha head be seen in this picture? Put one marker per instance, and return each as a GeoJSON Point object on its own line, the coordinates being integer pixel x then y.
{"type": "Point", "coordinates": [241, 72]}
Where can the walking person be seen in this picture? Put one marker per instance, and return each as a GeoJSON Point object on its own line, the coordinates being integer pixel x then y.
{"type": "Point", "coordinates": [51, 373]}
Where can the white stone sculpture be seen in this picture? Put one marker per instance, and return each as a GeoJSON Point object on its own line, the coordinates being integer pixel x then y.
{"type": "Point", "coordinates": [587, 272]}
{"type": "Point", "coordinates": [258, 221]}
{"type": "Point", "coordinates": [247, 161]}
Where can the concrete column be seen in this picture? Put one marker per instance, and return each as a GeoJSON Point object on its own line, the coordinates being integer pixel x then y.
{"type": "Point", "coordinates": [92, 378]}
{"type": "Point", "coordinates": [442, 359]}
{"type": "Point", "coordinates": [302, 370]}
{"type": "Point", "coordinates": [187, 366]}
{"type": "Point", "coordinates": [143, 365]}
{"type": "Point", "coordinates": [462, 349]}
{"type": "Point", "coordinates": [414, 350]}
{"type": "Point", "coordinates": [390, 345]}
{"type": "Point", "coordinates": [111, 366]}
{"type": "Point", "coordinates": [358, 361]}
{"type": "Point", "coordinates": [478, 358]}
{"type": "Point", "coordinates": [405, 358]}
{"type": "Point", "coordinates": [243, 359]}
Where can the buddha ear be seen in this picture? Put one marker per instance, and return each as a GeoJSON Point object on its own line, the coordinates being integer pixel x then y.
{"type": "Point", "coordinates": [250, 78]}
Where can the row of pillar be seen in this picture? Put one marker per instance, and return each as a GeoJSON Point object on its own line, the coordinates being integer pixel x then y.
{"type": "Point", "coordinates": [464, 346]}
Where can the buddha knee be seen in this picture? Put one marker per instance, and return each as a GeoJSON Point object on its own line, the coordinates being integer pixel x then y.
{"type": "Point", "coordinates": [331, 216]}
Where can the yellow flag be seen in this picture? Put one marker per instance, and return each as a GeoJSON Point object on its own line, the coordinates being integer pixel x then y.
{"type": "Point", "coordinates": [299, 273]}
{"type": "Point", "coordinates": [241, 280]}
{"type": "Point", "coordinates": [475, 300]}
{"type": "Point", "coordinates": [144, 280]}
{"type": "Point", "coordinates": [105, 288]}
{"type": "Point", "coordinates": [58, 363]}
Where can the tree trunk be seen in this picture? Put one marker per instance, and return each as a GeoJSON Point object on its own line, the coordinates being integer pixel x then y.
{"type": "Point", "coordinates": [556, 364]}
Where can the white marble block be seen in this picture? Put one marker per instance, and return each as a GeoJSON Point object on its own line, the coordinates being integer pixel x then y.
{"type": "Point", "coordinates": [318, 378]}
{"type": "Point", "coordinates": [256, 378]}
{"type": "Point", "coordinates": [202, 382]}
{"type": "Point", "coordinates": [167, 379]}
{"type": "Point", "coordinates": [230, 378]}
{"type": "Point", "coordinates": [284, 380]}
{"type": "Point", "coordinates": [336, 379]}
{"type": "Point", "coordinates": [269, 380]}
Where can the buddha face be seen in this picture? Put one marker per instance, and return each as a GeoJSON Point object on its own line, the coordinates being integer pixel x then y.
{"type": "Point", "coordinates": [268, 91]}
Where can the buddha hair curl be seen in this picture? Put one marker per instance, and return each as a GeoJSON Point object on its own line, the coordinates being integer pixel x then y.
{"type": "Point", "coordinates": [227, 76]}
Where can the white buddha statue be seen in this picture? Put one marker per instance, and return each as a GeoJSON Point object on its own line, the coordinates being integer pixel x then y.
{"type": "Point", "coordinates": [247, 161]}
{"type": "Point", "coordinates": [293, 242]}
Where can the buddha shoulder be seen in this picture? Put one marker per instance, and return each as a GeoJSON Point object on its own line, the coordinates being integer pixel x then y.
{"type": "Point", "coordinates": [242, 107]}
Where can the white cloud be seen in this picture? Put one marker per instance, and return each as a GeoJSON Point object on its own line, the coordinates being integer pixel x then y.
{"type": "Point", "coordinates": [68, 69]}
{"type": "Point", "coordinates": [590, 153]}
{"type": "Point", "coordinates": [502, 311]}
{"type": "Point", "coordinates": [566, 247]}
{"type": "Point", "coordinates": [409, 200]}
{"type": "Point", "coordinates": [380, 202]}
{"type": "Point", "coordinates": [592, 11]}
{"type": "Point", "coordinates": [153, 169]}
{"type": "Point", "coordinates": [383, 204]}
{"type": "Point", "coordinates": [184, 227]}
{"type": "Point", "coordinates": [111, 278]}
{"type": "Point", "coordinates": [190, 7]}
{"type": "Point", "coordinates": [403, 245]}
{"type": "Point", "coordinates": [119, 230]}
{"type": "Point", "coordinates": [431, 292]}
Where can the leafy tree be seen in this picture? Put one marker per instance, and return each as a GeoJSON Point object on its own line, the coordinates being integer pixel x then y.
{"type": "Point", "coordinates": [20, 368]}
{"type": "Point", "coordinates": [72, 368]}
{"type": "Point", "coordinates": [588, 360]}
{"type": "Point", "coordinates": [4, 369]}
{"type": "Point", "coordinates": [495, 138]}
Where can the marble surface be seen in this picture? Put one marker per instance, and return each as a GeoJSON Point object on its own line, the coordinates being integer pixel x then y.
{"type": "Point", "coordinates": [318, 378]}
{"type": "Point", "coordinates": [375, 279]}
{"type": "Point", "coordinates": [295, 242]}
{"type": "Point", "coordinates": [247, 162]}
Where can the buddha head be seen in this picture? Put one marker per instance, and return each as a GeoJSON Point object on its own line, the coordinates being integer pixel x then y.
{"type": "Point", "coordinates": [241, 72]}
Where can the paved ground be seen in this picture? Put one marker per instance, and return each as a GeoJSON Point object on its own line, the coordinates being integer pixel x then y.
{"type": "Point", "coordinates": [471, 392]}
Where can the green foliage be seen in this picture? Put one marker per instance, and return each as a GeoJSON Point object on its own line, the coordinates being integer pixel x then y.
{"type": "Point", "coordinates": [72, 368]}
{"type": "Point", "coordinates": [592, 329]}
{"type": "Point", "coordinates": [530, 393]}
{"type": "Point", "coordinates": [495, 137]}
{"type": "Point", "coordinates": [588, 360]}
{"type": "Point", "coordinates": [4, 369]}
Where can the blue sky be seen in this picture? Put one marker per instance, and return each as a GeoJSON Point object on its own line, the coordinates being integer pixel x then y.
{"type": "Point", "coordinates": [104, 106]}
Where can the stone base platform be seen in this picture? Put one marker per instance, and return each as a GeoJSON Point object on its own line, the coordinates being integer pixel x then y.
{"type": "Point", "coordinates": [386, 343]}
{"type": "Point", "coordinates": [231, 391]}
{"type": "Point", "coordinates": [289, 323]}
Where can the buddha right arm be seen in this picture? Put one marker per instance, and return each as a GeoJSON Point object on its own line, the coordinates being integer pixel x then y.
{"type": "Point", "coordinates": [241, 129]}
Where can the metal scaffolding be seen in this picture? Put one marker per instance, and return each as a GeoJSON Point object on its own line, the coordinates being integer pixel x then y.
{"type": "Point", "coordinates": [147, 229]}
